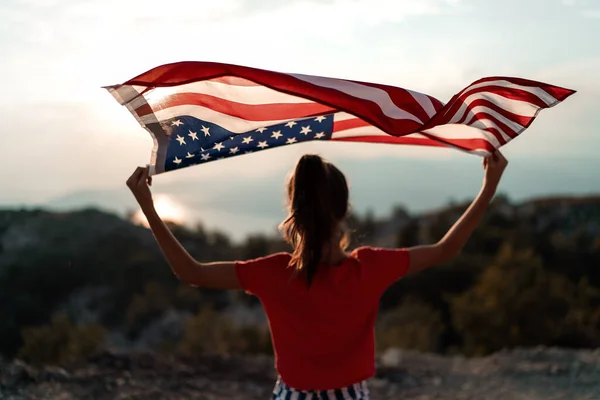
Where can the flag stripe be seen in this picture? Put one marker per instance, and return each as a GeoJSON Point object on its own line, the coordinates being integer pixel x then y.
{"type": "Point", "coordinates": [234, 81]}
{"type": "Point", "coordinates": [514, 122]}
{"type": "Point", "coordinates": [251, 112]}
{"type": "Point", "coordinates": [375, 95]}
{"type": "Point", "coordinates": [477, 145]}
{"type": "Point", "coordinates": [358, 128]}
{"type": "Point", "coordinates": [256, 95]}
{"type": "Point", "coordinates": [456, 110]}
{"type": "Point", "coordinates": [556, 92]}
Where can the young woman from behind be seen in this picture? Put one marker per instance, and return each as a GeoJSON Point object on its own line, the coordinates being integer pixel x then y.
{"type": "Point", "coordinates": [321, 300]}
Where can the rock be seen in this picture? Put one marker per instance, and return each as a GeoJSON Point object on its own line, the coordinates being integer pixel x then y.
{"type": "Point", "coordinates": [18, 373]}
{"type": "Point", "coordinates": [152, 376]}
{"type": "Point", "coordinates": [53, 373]}
{"type": "Point", "coordinates": [391, 358]}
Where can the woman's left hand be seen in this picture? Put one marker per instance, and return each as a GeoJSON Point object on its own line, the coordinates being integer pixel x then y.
{"type": "Point", "coordinates": [139, 183]}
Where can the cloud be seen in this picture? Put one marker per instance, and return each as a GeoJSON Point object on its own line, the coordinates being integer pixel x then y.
{"type": "Point", "coordinates": [592, 13]}
{"type": "Point", "coordinates": [587, 8]}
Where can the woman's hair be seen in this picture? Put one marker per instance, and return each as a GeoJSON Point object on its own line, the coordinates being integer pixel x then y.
{"type": "Point", "coordinates": [318, 202]}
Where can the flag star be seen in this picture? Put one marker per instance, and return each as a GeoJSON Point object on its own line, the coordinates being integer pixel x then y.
{"type": "Point", "coordinates": [201, 148]}
{"type": "Point", "coordinates": [306, 130]}
{"type": "Point", "coordinates": [205, 156]}
{"type": "Point", "coordinates": [291, 140]}
{"type": "Point", "coordinates": [276, 134]}
{"type": "Point", "coordinates": [189, 155]}
{"type": "Point", "coordinates": [193, 135]}
{"type": "Point", "coordinates": [205, 130]}
{"type": "Point", "coordinates": [291, 124]}
{"type": "Point", "coordinates": [248, 152]}
{"type": "Point", "coordinates": [320, 118]}
{"type": "Point", "coordinates": [261, 130]}
{"type": "Point", "coordinates": [247, 140]}
{"type": "Point", "coordinates": [176, 123]}
{"type": "Point", "coordinates": [177, 161]}
{"type": "Point", "coordinates": [218, 147]}
{"type": "Point", "coordinates": [181, 140]}
{"type": "Point", "coordinates": [233, 150]}
{"type": "Point", "coordinates": [319, 135]}
{"type": "Point", "coordinates": [262, 145]}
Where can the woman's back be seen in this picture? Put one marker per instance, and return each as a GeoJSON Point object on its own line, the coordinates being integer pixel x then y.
{"type": "Point", "coordinates": [323, 335]}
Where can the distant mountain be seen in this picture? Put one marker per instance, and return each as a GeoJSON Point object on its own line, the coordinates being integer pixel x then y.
{"type": "Point", "coordinates": [239, 206]}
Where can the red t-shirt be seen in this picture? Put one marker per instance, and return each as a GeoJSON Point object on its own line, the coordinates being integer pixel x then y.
{"type": "Point", "coordinates": [324, 338]}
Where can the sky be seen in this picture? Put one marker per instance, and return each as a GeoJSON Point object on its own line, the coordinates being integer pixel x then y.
{"type": "Point", "coordinates": [63, 134]}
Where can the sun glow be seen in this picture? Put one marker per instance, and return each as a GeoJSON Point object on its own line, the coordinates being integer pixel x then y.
{"type": "Point", "coordinates": [167, 208]}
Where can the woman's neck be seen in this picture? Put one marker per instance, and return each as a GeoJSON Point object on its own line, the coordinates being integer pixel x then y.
{"type": "Point", "coordinates": [333, 255]}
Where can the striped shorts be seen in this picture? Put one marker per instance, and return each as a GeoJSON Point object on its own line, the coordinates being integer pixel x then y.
{"type": "Point", "coordinates": [358, 391]}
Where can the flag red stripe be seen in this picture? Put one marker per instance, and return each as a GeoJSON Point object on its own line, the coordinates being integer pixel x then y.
{"type": "Point", "coordinates": [557, 92]}
{"type": "Point", "coordinates": [409, 103]}
{"type": "Point", "coordinates": [519, 119]}
{"type": "Point", "coordinates": [465, 144]}
{"type": "Point", "coordinates": [455, 104]}
{"type": "Point", "coordinates": [349, 124]}
{"type": "Point", "coordinates": [482, 143]}
{"type": "Point", "coordinates": [250, 112]}
{"type": "Point", "coordinates": [505, 128]}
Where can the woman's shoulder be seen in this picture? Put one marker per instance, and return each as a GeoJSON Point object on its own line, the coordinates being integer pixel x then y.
{"type": "Point", "coordinates": [270, 259]}
{"type": "Point", "coordinates": [361, 251]}
{"type": "Point", "coordinates": [366, 253]}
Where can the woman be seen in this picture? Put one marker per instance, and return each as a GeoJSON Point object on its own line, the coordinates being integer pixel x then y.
{"type": "Point", "coordinates": [321, 301]}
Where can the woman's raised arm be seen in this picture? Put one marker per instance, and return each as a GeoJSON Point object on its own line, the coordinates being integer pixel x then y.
{"type": "Point", "coordinates": [422, 257]}
{"type": "Point", "coordinates": [217, 275]}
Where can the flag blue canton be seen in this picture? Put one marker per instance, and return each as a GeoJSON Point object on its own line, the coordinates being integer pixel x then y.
{"type": "Point", "coordinates": [193, 141]}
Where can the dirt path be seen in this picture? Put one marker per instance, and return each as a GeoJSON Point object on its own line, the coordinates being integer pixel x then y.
{"type": "Point", "coordinates": [524, 374]}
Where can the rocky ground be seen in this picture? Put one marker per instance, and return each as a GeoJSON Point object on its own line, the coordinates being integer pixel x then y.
{"type": "Point", "coordinates": [521, 374]}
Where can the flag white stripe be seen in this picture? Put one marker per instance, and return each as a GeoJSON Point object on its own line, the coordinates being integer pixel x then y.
{"type": "Point", "coordinates": [378, 96]}
{"type": "Point", "coordinates": [488, 123]}
{"type": "Point", "coordinates": [360, 131]}
{"type": "Point", "coordinates": [454, 131]}
{"type": "Point", "coordinates": [253, 95]}
{"type": "Point", "coordinates": [538, 92]}
{"type": "Point", "coordinates": [126, 93]}
{"type": "Point", "coordinates": [515, 126]}
{"type": "Point", "coordinates": [343, 116]}
{"type": "Point", "coordinates": [517, 107]}
{"type": "Point", "coordinates": [424, 101]}
{"type": "Point", "coordinates": [457, 131]}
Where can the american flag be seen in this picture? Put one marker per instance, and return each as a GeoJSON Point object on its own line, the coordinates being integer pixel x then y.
{"type": "Point", "coordinates": [199, 112]}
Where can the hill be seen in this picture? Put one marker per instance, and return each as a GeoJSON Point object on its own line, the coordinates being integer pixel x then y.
{"type": "Point", "coordinates": [74, 283]}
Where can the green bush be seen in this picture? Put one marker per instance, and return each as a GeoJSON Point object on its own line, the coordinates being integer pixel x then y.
{"type": "Point", "coordinates": [61, 342]}
{"type": "Point", "coordinates": [414, 325]}
{"type": "Point", "coordinates": [144, 307]}
{"type": "Point", "coordinates": [209, 332]}
{"type": "Point", "coordinates": [516, 302]}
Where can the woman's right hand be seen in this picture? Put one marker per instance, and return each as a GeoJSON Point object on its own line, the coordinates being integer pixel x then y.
{"type": "Point", "coordinates": [139, 183]}
{"type": "Point", "coordinates": [494, 166]}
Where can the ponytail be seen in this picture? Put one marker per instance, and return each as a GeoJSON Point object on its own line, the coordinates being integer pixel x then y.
{"type": "Point", "coordinates": [318, 201]}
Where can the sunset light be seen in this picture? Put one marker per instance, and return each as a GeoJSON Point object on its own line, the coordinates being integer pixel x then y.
{"type": "Point", "coordinates": [167, 208]}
